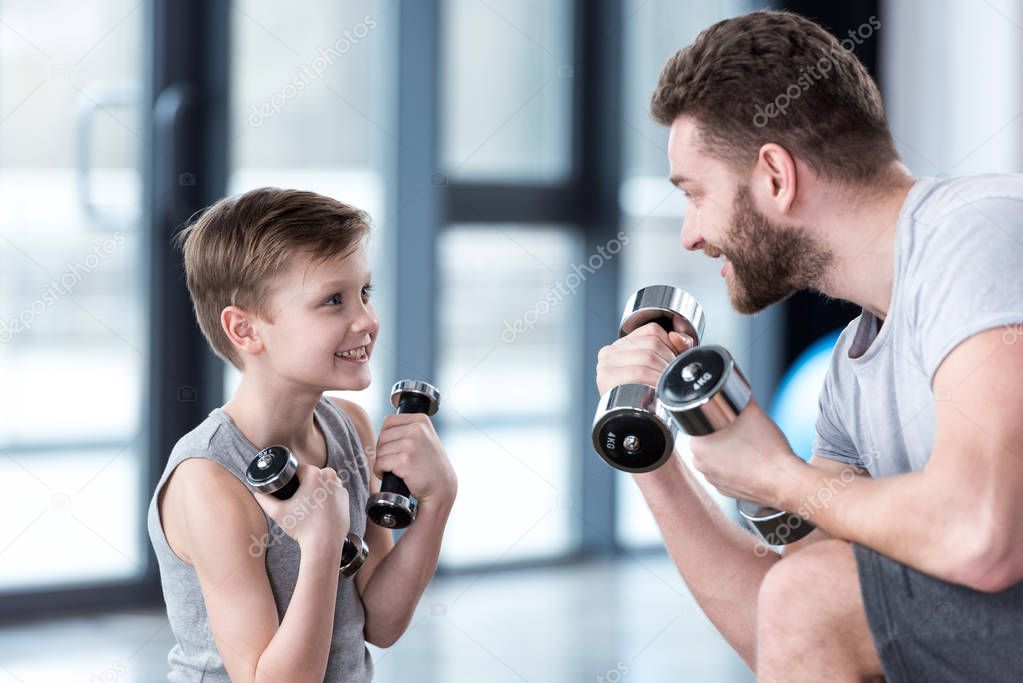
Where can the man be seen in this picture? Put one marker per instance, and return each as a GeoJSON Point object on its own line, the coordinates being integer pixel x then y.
{"type": "Point", "coordinates": [779, 141]}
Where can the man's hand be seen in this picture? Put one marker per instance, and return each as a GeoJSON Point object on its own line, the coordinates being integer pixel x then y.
{"type": "Point", "coordinates": [746, 459]}
{"type": "Point", "coordinates": [408, 446]}
{"type": "Point", "coordinates": [640, 357]}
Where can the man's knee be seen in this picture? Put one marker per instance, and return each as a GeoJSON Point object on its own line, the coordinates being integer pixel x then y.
{"type": "Point", "coordinates": [810, 589]}
{"type": "Point", "coordinates": [809, 609]}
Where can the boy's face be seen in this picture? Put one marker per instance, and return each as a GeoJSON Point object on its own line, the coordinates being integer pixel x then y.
{"type": "Point", "coordinates": [324, 325]}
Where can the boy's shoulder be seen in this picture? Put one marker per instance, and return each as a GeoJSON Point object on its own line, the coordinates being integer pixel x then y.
{"type": "Point", "coordinates": [358, 416]}
{"type": "Point", "coordinates": [198, 491]}
{"type": "Point", "coordinates": [199, 439]}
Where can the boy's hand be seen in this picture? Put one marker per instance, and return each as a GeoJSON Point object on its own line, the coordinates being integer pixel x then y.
{"type": "Point", "coordinates": [408, 446]}
{"type": "Point", "coordinates": [316, 513]}
{"type": "Point", "coordinates": [640, 357]}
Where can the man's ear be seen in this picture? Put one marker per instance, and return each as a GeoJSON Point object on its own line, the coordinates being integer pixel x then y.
{"type": "Point", "coordinates": [238, 325]}
{"type": "Point", "coordinates": [776, 176]}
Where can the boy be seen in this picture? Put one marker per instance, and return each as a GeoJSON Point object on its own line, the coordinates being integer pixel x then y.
{"type": "Point", "coordinates": [281, 289]}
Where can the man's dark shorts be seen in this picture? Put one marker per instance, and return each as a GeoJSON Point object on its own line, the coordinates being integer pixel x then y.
{"type": "Point", "coordinates": [925, 629]}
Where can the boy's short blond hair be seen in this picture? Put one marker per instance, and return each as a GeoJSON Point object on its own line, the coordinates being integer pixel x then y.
{"type": "Point", "coordinates": [235, 250]}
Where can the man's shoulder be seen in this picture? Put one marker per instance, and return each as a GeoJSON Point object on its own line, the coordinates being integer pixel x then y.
{"type": "Point", "coordinates": [951, 200]}
{"type": "Point", "coordinates": [964, 233]}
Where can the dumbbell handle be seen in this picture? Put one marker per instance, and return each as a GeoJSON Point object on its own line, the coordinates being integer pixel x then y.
{"type": "Point", "coordinates": [665, 323]}
{"type": "Point", "coordinates": [407, 403]}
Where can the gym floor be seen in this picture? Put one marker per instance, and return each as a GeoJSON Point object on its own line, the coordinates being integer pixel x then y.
{"type": "Point", "coordinates": [620, 620]}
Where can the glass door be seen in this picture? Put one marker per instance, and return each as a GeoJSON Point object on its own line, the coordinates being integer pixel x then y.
{"type": "Point", "coordinates": [73, 352]}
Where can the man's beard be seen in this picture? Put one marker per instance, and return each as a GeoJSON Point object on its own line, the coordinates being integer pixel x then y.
{"type": "Point", "coordinates": [769, 262]}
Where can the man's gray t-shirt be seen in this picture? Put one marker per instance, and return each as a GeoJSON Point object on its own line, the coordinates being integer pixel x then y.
{"type": "Point", "coordinates": [958, 272]}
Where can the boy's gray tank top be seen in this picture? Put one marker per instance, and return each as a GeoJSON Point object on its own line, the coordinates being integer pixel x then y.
{"type": "Point", "coordinates": [194, 658]}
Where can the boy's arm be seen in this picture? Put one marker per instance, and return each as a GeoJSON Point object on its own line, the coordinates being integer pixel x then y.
{"type": "Point", "coordinates": [377, 538]}
{"type": "Point", "coordinates": [398, 573]}
{"type": "Point", "coordinates": [229, 559]}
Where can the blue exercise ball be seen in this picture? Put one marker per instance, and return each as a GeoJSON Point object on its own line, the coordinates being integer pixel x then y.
{"type": "Point", "coordinates": [794, 408]}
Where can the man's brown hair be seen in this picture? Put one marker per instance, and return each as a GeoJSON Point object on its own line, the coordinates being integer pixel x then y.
{"type": "Point", "coordinates": [235, 250]}
{"type": "Point", "coordinates": [778, 77]}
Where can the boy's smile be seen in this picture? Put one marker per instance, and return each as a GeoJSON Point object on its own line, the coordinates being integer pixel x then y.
{"type": "Point", "coordinates": [358, 355]}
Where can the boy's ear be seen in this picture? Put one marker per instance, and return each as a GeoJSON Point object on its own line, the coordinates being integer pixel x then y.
{"type": "Point", "coordinates": [237, 325]}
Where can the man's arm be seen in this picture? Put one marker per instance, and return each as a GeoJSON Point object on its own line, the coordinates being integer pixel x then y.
{"type": "Point", "coordinates": [831, 467]}
{"type": "Point", "coordinates": [961, 517]}
{"type": "Point", "coordinates": [397, 573]}
{"type": "Point", "coordinates": [722, 564]}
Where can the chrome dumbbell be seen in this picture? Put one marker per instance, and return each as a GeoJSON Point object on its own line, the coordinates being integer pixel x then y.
{"type": "Point", "coordinates": [394, 507]}
{"type": "Point", "coordinates": [630, 430]}
{"type": "Point", "coordinates": [274, 471]}
{"type": "Point", "coordinates": [703, 391]}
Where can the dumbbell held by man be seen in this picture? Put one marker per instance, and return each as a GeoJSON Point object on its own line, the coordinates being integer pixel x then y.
{"type": "Point", "coordinates": [703, 391]}
{"type": "Point", "coordinates": [630, 430]}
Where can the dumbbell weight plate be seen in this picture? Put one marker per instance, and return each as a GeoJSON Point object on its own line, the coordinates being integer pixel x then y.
{"type": "Point", "coordinates": [631, 432]}
{"type": "Point", "coordinates": [353, 555]}
{"type": "Point", "coordinates": [273, 471]}
{"type": "Point", "coordinates": [704, 390]}
{"type": "Point", "coordinates": [663, 303]}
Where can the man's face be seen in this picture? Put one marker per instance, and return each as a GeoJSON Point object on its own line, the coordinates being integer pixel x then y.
{"type": "Point", "coordinates": [763, 261]}
{"type": "Point", "coordinates": [321, 309]}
